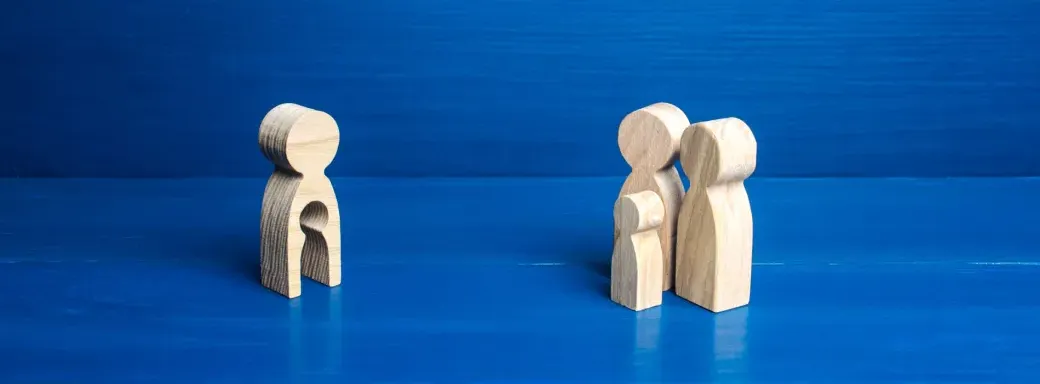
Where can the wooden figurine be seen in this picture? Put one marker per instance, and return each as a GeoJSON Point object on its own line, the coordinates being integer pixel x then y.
{"type": "Point", "coordinates": [635, 266]}
{"type": "Point", "coordinates": [649, 141]}
{"type": "Point", "coordinates": [713, 258]}
{"type": "Point", "coordinates": [299, 222]}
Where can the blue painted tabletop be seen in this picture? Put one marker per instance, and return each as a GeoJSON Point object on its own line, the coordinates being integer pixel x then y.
{"type": "Point", "coordinates": [506, 280]}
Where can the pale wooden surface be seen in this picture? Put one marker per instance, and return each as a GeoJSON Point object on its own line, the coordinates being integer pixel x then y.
{"type": "Point", "coordinates": [649, 141]}
{"type": "Point", "coordinates": [300, 226]}
{"type": "Point", "coordinates": [713, 258]}
{"type": "Point", "coordinates": [637, 261]}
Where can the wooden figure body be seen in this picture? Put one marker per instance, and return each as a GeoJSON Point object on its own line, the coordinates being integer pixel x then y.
{"type": "Point", "coordinates": [635, 266]}
{"type": "Point", "coordinates": [713, 258]}
{"type": "Point", "coordinates": [649, 141]}
{"type": "Point", "coordinates": [299, 223]}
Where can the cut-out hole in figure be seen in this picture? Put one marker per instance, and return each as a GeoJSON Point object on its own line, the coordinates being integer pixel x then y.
{"type": "Point", "coordinates": [315, 254]}
{"type": "Point", "coordinates": [314, 217]}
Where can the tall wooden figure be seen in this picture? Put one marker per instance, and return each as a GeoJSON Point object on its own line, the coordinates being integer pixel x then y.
{"type": "Point", "coordinates": [635, 266]}
{"type": "Point", "coordinates": [649, 141]}
{"type": "Point", "coordinates": [299, 222]}
{"type": "Point", "coordinates": [713, 255]}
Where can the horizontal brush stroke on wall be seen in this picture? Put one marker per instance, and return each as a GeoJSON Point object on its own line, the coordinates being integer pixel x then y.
{"type": "Point", "coordinates": [153, 88]}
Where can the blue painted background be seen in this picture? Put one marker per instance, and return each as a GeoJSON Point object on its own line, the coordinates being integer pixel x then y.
{"type": "Point", "coordinates": [151, 88]}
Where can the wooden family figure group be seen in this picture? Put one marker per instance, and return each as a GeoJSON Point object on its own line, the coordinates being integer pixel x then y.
{"type": "Point", "coordinates": [697, 241]}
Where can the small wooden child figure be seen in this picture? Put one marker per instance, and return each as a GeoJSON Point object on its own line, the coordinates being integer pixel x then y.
{"type": "Point", "coordinates": [299, 220]}
{"type": "Point", "coordinates": [635, 267]}
{"type": "Point", "coordinates": [713, 250]}
{"type": "Point", "coordinates": [649, 142]}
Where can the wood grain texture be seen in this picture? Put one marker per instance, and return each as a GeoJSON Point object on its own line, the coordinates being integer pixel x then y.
{"type": "Point", "coordinates": [299, 221]}
{"type": "Point", "coordinates": [715, 229]}
{"type": "Point", "coordinates": [649, 141]}
{"type": "Point", "coordinates": [637, 262]}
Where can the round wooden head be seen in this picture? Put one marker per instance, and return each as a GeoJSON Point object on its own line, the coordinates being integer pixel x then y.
{"type": "Point", "coordinates": [638, 212]}
{"type": "Point", "coordinates": [298, 138]}
{"type": "Point", "coordinates": [649, 137]}
{"type": "Point", "coordinates": [718, 151]}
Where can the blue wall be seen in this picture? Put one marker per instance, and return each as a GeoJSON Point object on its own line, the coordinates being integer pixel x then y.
{"type": "Point", "coordinates": [150, 88]}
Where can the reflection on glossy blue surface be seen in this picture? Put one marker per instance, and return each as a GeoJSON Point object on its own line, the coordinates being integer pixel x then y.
{"type": "Point", "coordinates": [156, 281]}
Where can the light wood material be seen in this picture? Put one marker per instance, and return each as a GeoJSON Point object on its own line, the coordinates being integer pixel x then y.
{"type": "Point", "coordinates": [713, 255]}
{"type": "Point", "coordinates": [649, 141]}
{"type": "Point", "coordinates": [299, 222]}
{"type": "Point", "coordinates": [635, 266]}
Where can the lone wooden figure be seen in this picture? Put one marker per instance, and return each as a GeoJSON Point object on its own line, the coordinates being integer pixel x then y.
{"type": "Point", "coordinates": [299, 221]}
{"type": "Point", "coordinates": [635, 266]}
{"type": "Point", "coordinates": [713, 254]}
{"type": "Point", "coordinates": [649, 142]}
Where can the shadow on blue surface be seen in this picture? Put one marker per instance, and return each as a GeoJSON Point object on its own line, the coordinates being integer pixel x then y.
{"type": "Point", "coordinates": [506, 280]}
